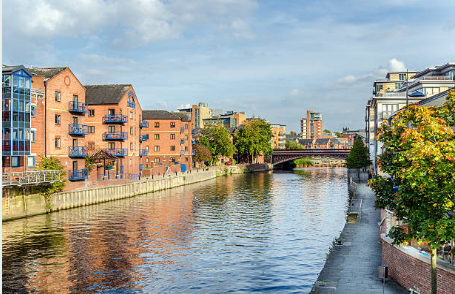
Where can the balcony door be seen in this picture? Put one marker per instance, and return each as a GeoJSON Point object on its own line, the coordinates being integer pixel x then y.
{"type": "Point", "coordinates": [74, 165]}
{"type": "Point", "coordinates": [75, 120]}
{"type": "Point", "coordinates": [75, 99]}
{"type": "Point", "coordinates": [111, 111]}
{"type": "Point", "coordinates": [75, 143]}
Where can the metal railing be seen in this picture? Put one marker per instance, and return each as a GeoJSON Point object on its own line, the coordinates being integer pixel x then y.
{"type": "Point", "coordinates": [182, 152]}
{"type": "Point", "coordinates": [182, 130]}
{"type": "Point", "coordinates": [36, 177]}
{"type": "Point", "coordinates": [131, 104]}
{"type": "Point", "coordinates": [143, 152]}
{"type": "Point", "coordinates": [182, 141]}
{"type": "Point", "coordinates": [78, 174]}
{"type": "Point", "coordinates": [143, 138]}
{"type": "Point", "coordinates": [115, 118]}
{"type": "Point", "coordinates": [143, 124]}
{"type": "Point", "coordinates": [119, 152]}
{"type": "Point", "coordinates": [115, 136]}
{"type": "Point", "coordinates": [437, 78]}
{"type": "Point", "coordinates": [76, 129]}
{"type": "Point", "coordinates": [79, 107]}
{"type": "Point", "coordinates": [77, 151]}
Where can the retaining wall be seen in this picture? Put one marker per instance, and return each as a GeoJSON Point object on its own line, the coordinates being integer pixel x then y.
{"type": "Point", "coordinates": [18, 206]}
{"type": "Point", "coordinates": [411, 269]}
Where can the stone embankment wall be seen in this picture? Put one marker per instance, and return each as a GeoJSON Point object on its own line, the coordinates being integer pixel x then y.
{"type": "Point", "coordinates": [18, 206]}
{"type": "Point", "coordinates": [411, 269]}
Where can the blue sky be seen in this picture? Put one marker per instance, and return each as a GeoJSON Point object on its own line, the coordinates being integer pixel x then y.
{"type": "Point", "coordinates": [272, 59]}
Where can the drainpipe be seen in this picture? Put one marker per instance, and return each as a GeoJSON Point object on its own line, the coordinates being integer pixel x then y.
{"type": "Point", "coordinates": [45, 119]}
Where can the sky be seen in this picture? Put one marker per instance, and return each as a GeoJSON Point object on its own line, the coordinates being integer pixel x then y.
{"type": "Point", "coordinates": [272, 59]}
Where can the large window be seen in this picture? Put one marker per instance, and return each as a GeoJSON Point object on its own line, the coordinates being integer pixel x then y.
{"type": "Point", "coordinates": [172, 124]}
{"type": "Point", "coordinates": [91, 112]}
{"type": "Point", "coordinates": [91, 129]}
{"type": "Point", "coordinates": [172, 148]}
{"type": "Point", "coordinates": [15, 161]}
{"type": "Point", "coordinates": [157, 124]}
{"type": "Point", "coordinates": [157, 148]}
{"type": "Point", "coordinates": [31, 161]}
{"type": "Point", "coordinates": [402, 77]}
{"type": "Point", "coordinates": [172, 136]}
{"type": "Point", "coordinates": [388, 110]}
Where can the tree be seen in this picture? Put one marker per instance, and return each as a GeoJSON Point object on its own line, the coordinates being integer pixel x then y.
{"type": "Point", "coordinates": [253, 138]}
{"type": "Point", "coordinates": [419, 156]}
{"type": "Point", "coordinates": [327, 131]}
{"type": "Point", "coordinates": [51, 163]}
{"type": "Point", "coordinates": [359, 156]}
{"type": "Point", "coordinates": [293, 145]}
{"type": "Point", "coordinates": [217, 139]}
{"type": "Point", "coordinates": [292, 133]}
{"type": "Point", "coordinates": [202, 153]}
{"type": "Point", "coordinates": [338, 134]}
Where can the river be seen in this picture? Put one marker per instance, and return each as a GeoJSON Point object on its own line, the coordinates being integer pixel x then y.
{"type": "Point", "coordinates": [262, 232]}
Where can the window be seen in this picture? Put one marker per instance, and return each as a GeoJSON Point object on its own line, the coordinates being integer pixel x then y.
{"type": "Point", "coordinates": [186, 137]}
{"type": "Point", "coordinates": [111, 111]}
{"type": "Point", "coordinates": [57, 96]}
{"type": "Point", "coordinates": [57, 119]}
{"type": "Point", "coordinates": [131, 114]}
{"type": "Point", "coordinates": [111, 129]}
{"type": "Point", "coordinates": [131, 130]}
{"type": "Point", "coordinates": [172, 124]}
{"type": "Point", "coordinates": [75, 98]}
{"type": "Point", "coordinates": [172, 148]}
{"type": "Point", "coordinates": [157, 124]}
{"type": "Point", "coordinates": [157, 148]}
{"type": "Point", "coordinates": [32, 111]}
{"type": "Point", "coordinates": [91, 129]}
{"type": "Point", "coordinates": [147, 148]}
{"type": "Point", "coordinates": [157, 159]}
{"type": "Point", "coordinates": [32, 136]}
{"type": "Point", "coordinates": [402, 77]}
{"type": "Point", "coordinates": [147, 160]}
{"type": "Point", "coordinates": [15, 161]}
{"type": "Point", "coordinates": [57, 142]}
{"type": "Point", "coordinates": [157, 136]}
{"type": "Point", "coordinates": [91, 112]}
{"type": "Point", "coordinates": [91, 146]}
{"type": "Point", "coordinates": [131, 146]}
{"type": "Point", "coordinates": [111, 145]}
{"type": "Point", "coordinates": [186, 126]}
{"type": "Point", "coordinates": [186, 159]}
{"type": "Point", "coordinates": [186, 148]}
{"type": "Point", "coordinates": [172, 136]}
{"type": "Point", "coordinates": [31, 161]}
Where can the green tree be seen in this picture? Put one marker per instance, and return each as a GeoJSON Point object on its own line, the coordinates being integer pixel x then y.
{"type": "Point", "coordinates": [304, 161]}
{"type": "Point", "coordinates": [419, 155]}
{"type": "Point", "coordinates": [218, 139]}
{"type": "Point", "coordinates": [327, 131]}
{"type": "Point", "coordinates": [359, 156]}
{"type": "Point", "coordinates": [253, 138]}
{"type": "Point", "coordinates": [51, 163]}
{"type": "Point", "coordinates": [293, 145]}
{"type": "Point", "coordinates": [338, 134]}
{"type": "Point", "coordinates": [292, 133]}
{"type": "Point", "coordinates": [202, 153]}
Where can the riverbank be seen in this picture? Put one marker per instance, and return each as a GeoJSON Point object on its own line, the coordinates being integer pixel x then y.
{"type": "Point", "coordinates": [352, 266]}
{"type": "Point", "coordinates": [20, 206]}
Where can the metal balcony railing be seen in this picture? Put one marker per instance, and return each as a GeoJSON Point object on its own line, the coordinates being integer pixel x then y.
{"type": "Point", "coordinates": [115, 118]}
{"type": "Point", "coordinates": [193, 141]}
{"type": "Point", "coordinates": [182, 152]}
{"type": "Point", "coordinates": [78, 174]}
{"type": "Point", "coordinates": [131, 104]}
{"type": "Point", "coordinates": [182, 130]}
{"type": "Point", "coordinates": [182, 141]}
{"type": "Point", "coordinates": [119, 152]}
{"type": "Point", "coordinates": [143, 152]}
{"type": "Point", "coordinates": [77, 151]}
{"type": "Point", "coordinates": [76, 129]}
{"type": "Point", "coordinates": [143, 138]}
{"type": "Point", "coordinates": [143, 124]}
{"type": "Point", "coordinates": [193, 131]}
{"type": "Point", "coordinates": [193, 152]}
{"type": "Point", "coordinates": [36, 177]}
{"type": "Point", "coordinates": [115, 136]}
{"type": "Point", "coordinates": [77, 107]}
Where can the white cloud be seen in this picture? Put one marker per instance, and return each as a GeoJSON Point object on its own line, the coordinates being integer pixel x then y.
{"type": "Point", "coordinates": [242, 30]}
{"type": "Point", "coordinates": [396, 65]}
{"type": "Point", "coordinates": [294, 93]}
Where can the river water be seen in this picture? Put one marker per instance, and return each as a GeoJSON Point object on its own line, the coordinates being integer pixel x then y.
{"type": "Point", "coordinates": [263, 232]}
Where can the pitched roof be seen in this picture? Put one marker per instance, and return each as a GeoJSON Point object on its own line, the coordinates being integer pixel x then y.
{"type": "Point", "coordinates": [305, 141]}
{"type": "Point", "coordinates": [105, 94]}
{"type": "Point", "coordinates": [8, 69]}
{"type": "Point", "coordinates": [47, 72]}
{"type": "Point", "coordinates": [184, 116]}
{"type": "Point", "coordinates": [158, 114]}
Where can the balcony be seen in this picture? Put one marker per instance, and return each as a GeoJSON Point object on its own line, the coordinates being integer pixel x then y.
{"type": "Point", "coordinates": [193, 131]}
{"type": "Point", "coordinates": [143, 138]}
{"type": "Point", "coordinates": [437, 78]}
{"type": "Point", "coordinates": [131, 104]}
{"type": "Point", "coordinates": [115, 118]}
{"type": "Point", "coordinates": [143, 152]}
{"type": "Point", "coordinates": [115, 136]}
{"type": "Point", "coordinates": [182, 141]}
{"type": "Point", "coordinates": [182, 152]}
{"type": "Point", "coordinates": [77, 107]}
{"type": "Point", "coordinates": [77, 151]}
{"type": "Point", "coordinates": [182, 130]}
{"type": "Point", "coordinates": [78, 174]}
{"type": "Point", "coordinates": [193, 141]}
{"type": "Point", "coordinates": [119, 152]}
{"type": "Point", "coordinates": [193, 152]}
{"type": "Point", "coordinates": [76, 129]}
{"type": "Point", "coordinates": [143, 124]}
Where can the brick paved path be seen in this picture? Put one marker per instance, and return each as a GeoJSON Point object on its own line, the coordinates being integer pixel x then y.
{"type": "Point", "coordinates": [352, 267]}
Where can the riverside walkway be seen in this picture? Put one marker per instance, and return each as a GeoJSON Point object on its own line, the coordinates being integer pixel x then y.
{"type": "Point", "coordinates": [353, 267]}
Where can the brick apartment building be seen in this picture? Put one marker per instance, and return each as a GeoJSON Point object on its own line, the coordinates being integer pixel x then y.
{"type": "Point", "coordinates": [168, 140]}
{"type": "Point", "coordinates": [114, 123]}
{"type": "Point", "coordinates": [311, 125]}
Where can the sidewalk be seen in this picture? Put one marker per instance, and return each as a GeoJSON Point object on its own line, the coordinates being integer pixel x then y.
{"type": "Point", "coordinates": [353, 267]}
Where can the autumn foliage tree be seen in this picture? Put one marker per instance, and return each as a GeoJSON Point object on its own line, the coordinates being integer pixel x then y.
{"type": "Point", "coordinates": [202, 153]}
{"type": "Point", "coordinates": [419, 156]}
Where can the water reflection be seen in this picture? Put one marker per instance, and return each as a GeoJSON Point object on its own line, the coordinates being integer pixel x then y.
{"type": "Point", "coordinates": [257, 232]}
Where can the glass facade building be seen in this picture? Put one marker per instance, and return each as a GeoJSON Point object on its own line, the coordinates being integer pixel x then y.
{"type": "Point", "coordinates": [16, 108]}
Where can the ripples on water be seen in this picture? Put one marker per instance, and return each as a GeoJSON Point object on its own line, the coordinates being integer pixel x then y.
{"type": "Point", "coordinates": [259, 232]}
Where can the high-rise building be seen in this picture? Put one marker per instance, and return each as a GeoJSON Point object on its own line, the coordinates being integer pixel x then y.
{"type": "Point", "coordinates": [278, 140]}
{"type": "Point", "coordinates": [311, 126]}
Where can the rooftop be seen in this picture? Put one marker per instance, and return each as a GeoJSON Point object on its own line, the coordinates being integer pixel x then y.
{"type": "Point", "coordinates": [160, 114]}
{"type": "Point", "coordinates": [47, 72]}
{"type": "Point", "coordinates": [105, 94]}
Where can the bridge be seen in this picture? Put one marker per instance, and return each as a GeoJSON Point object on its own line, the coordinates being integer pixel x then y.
{"type": "Point", "coordinates": [283, 155]}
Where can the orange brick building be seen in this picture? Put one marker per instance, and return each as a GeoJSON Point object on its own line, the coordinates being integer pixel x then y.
{"type": "Point", "coordinates": [168, 140]}
{"type": "Point", "coordinates": [58, 120]}
{"type": "Point", "coordinates": [311, 125]}
{"type": "Point", "coordinates": [114, 121]}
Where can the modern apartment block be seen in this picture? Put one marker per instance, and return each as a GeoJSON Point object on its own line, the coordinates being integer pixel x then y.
{"type": "Point", "coordinates": [311, 126]}
{"type": "Point", "coordinates": [198, 113]}
{"type": "Point", "coordinates": [16, 119]}
{"type": "Point", "coordinates": [231, 119]}
{"type": "Point", "coordinates": [421, 85]}
{"type": "Point", "coordinates": [168, 142]}
{"type": "Point", "coordinates": [114, 123]}
{"type": "Point", "coordinates": [278, 140]}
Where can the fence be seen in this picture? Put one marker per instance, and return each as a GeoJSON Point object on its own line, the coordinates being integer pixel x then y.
{"type": "Point", "coordinates": [30, 178]}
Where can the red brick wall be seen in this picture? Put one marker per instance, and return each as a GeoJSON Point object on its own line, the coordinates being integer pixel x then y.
{"type": "Point", "coordinates": [413, 273]}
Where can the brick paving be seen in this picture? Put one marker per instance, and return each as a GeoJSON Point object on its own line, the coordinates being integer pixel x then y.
{"type": "Point", "coordinates": [353, 267]}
